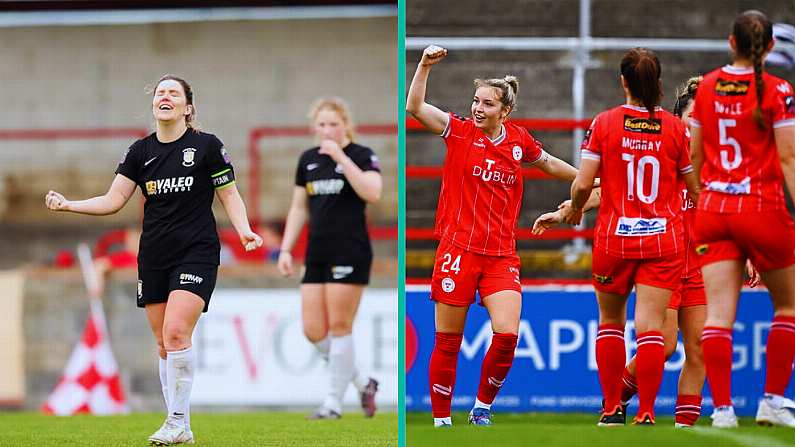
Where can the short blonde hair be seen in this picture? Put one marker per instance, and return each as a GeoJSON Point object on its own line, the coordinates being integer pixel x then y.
{"type": "Point", "coordinates": [335, 104]}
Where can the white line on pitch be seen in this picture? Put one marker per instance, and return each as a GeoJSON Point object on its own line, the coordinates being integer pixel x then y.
{"type": "Point", "coordinates": [745, 440]}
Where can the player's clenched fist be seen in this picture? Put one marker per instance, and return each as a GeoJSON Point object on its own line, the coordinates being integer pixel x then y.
{"type": "Point", "coordinates": [56, 201]}
{"type": "Point", "coordinates": [433, 54]}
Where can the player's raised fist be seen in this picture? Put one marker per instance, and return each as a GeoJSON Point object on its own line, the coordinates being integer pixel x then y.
{"type": "Point", "coordinates": [432, 55]}
{"type": "Point", "coordinates": [332, 149]}
{"type": "Point", "coordinates": [55, 201]}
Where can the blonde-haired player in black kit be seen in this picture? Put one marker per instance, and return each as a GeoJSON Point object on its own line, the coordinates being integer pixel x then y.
{"type": "Point", "coordinates": [333, 184]}
{"type": "Point", "coordinates": [179, 170]}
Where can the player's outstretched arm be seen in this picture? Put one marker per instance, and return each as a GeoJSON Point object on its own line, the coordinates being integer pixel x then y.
{"type": "Point", "coordinates": [581, 189]}
{"type": "Point", "coordinates": [785, 141]}
{"type": "Point", "coordinates": [111, 202]}
{"type": "Point", "coordinates": [296, 218]}
{"type": "Point", "coordinates": [550, 220]}
{"type": "Point", "coordinates": [434, 119]}
{"type": "Point", "coordinates": [236, 210]}
{"type": "Point", "coordinates": [556, 167]}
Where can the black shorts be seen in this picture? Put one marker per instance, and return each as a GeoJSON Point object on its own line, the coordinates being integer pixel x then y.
{"type": "Point", "coordinates": [154, 286]}
{"type": "Point", "coordinates": [357, 272]}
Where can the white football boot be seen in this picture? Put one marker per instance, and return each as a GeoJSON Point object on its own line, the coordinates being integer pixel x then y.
{"type": "Point", "coordinates": [171, 433]}
{"type": "Point", "coordinates": [776, 410]}
{"type": "Point", "coordinates": [724, 417]}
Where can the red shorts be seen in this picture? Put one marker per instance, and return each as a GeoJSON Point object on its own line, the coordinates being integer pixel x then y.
{"type": "Point", "coordinates": [690, 293]}
{"type": "Point", "coordinates": [766, 238]}
{"type": "Point", "coordinates": [457, 274]}
{"type": "Point", "coordinates": [619, 275]}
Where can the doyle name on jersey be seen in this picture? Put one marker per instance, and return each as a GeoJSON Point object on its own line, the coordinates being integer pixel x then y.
{"type": "Point", "coordinates": [178, 180]}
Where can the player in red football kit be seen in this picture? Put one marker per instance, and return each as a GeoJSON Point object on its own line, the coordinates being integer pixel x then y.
{"type": "Point", "coordinates": [743, 144]}
{"type": "Point", "coordinates": [476, 220]}
{"type": "Point", "coordinates": [687, 308]}
{"type": "Point", "coordinates": [642, 154]}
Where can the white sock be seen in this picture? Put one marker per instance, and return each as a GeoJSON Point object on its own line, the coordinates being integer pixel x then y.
{"type": "Point", "coordinates": [342, 367]}
{"type": "Point", "coordinates": [322, 347]}
{"type": "Point", "coordinates": [438, 422]}
{"type": "Point", "coordinates": [161, 368]}
{"type": "Point", "coordinates": [360, 381]}
{"type": "Point", "coordinates": [479, 404]}
{"type": "Point", "coordinates": [179, 372]}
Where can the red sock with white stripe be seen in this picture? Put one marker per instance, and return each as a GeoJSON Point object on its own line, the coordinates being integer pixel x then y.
{"type": "Point", "coordinates": [611, 355]}
{"type": "Point", "coordinates": [780, 355]}
{"type": "Point", "coordinates": [629, 386]}
{"type": "Point", "coordinates": [688, 409]}
{"type": "Point", "coordinates": [496, 365]}
{"type": "Point", "coordinates": [716, 343]}
{"type": "Point", "coordinates": [444, 360]}
{"type": "Point", "coordinates": [649, 369]}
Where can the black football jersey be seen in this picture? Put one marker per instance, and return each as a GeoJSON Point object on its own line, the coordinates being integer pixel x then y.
{"type": "Point", "coordinates": [337, 224]}
{"type": "Point", "coordinates": [178, 180]}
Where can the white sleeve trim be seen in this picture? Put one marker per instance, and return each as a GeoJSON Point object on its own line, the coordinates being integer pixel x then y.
{"type": "Point", "coordinates": [687, 169]}
{"type": "Point", "coordinates": [694, 122]}
{"type": "Point", "coordinates": [446, 131]}
{"type": "Point", "coordinates": [540, 156]}
{"type": "Point", "coordinates": [784, 123]}
{"type": "Point", "coordinates": [590, 155]}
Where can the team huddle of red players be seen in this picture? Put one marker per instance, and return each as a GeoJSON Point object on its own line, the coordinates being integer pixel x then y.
{"type": "Point", "coordinates": [682, 203]}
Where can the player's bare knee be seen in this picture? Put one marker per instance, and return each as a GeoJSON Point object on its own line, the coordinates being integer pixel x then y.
{"type": "Point", "coordinates": [315, 333]}
{"type": "Point", "coordinates": [340, 328]}
{"type": "Point", "coordinates": [176, 337]}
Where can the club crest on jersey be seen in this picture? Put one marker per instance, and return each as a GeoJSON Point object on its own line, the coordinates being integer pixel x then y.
{"type": "Point", "coordinates": [603, 279]}
{"type": "Point", "coordinates": [448, 285]}
{"type": "Point", "coordinates": [642, 125]}
{"type": "Point", "coordinates": [732, 88]}
{"type": "Point", "coordinates": [517, 153]}
{"type": "Point", "coordinates": [187, 157]}
{"type": "Point", "coordinates": [338, 169]}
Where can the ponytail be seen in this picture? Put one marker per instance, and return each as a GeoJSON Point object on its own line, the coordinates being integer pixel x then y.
{"type": "Point", "coordinates": [641, 70]}
{"type": "Point", "coordinates": [753, 33]}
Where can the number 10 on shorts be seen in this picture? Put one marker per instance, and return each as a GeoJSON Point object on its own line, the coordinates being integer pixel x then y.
{"type": "Point", "coordinates": [447, 266]}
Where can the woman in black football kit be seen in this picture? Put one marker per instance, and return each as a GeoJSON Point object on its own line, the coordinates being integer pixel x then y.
{"type": "Point", "coordinates": [333, 184]}
{"type": "Point", "coordinates": [179, 170]}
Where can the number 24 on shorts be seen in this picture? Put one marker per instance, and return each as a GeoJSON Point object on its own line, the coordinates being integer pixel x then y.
{"type": "Point", "coordinates": [455, 266]}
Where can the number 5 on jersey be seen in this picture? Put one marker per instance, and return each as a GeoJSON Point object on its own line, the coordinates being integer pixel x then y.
{"type": "Point", "coordinates": [455, 266]}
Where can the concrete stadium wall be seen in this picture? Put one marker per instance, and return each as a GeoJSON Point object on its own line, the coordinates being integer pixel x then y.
{"type": "Point", "coordinates": [245, 74]}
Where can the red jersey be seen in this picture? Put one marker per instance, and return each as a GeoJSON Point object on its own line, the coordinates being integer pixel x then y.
{"type": "Point", "coordinates": [741, 169]}
{"type": "Point", "coordinates": [482, 187]}
{"type": "Point", "coordinates": [692, 261]}
{"type": "Point", "coordinates": [642, 160]}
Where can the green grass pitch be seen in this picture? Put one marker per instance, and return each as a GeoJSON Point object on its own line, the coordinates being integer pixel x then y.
{"type": "Point", "coordinates": [552, 430]}
{"type": "Point", "coordinates": [220, 429]}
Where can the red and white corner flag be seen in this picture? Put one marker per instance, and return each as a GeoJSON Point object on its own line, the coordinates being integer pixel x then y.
{"type": "Point", "coordinates": [90, 382]}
